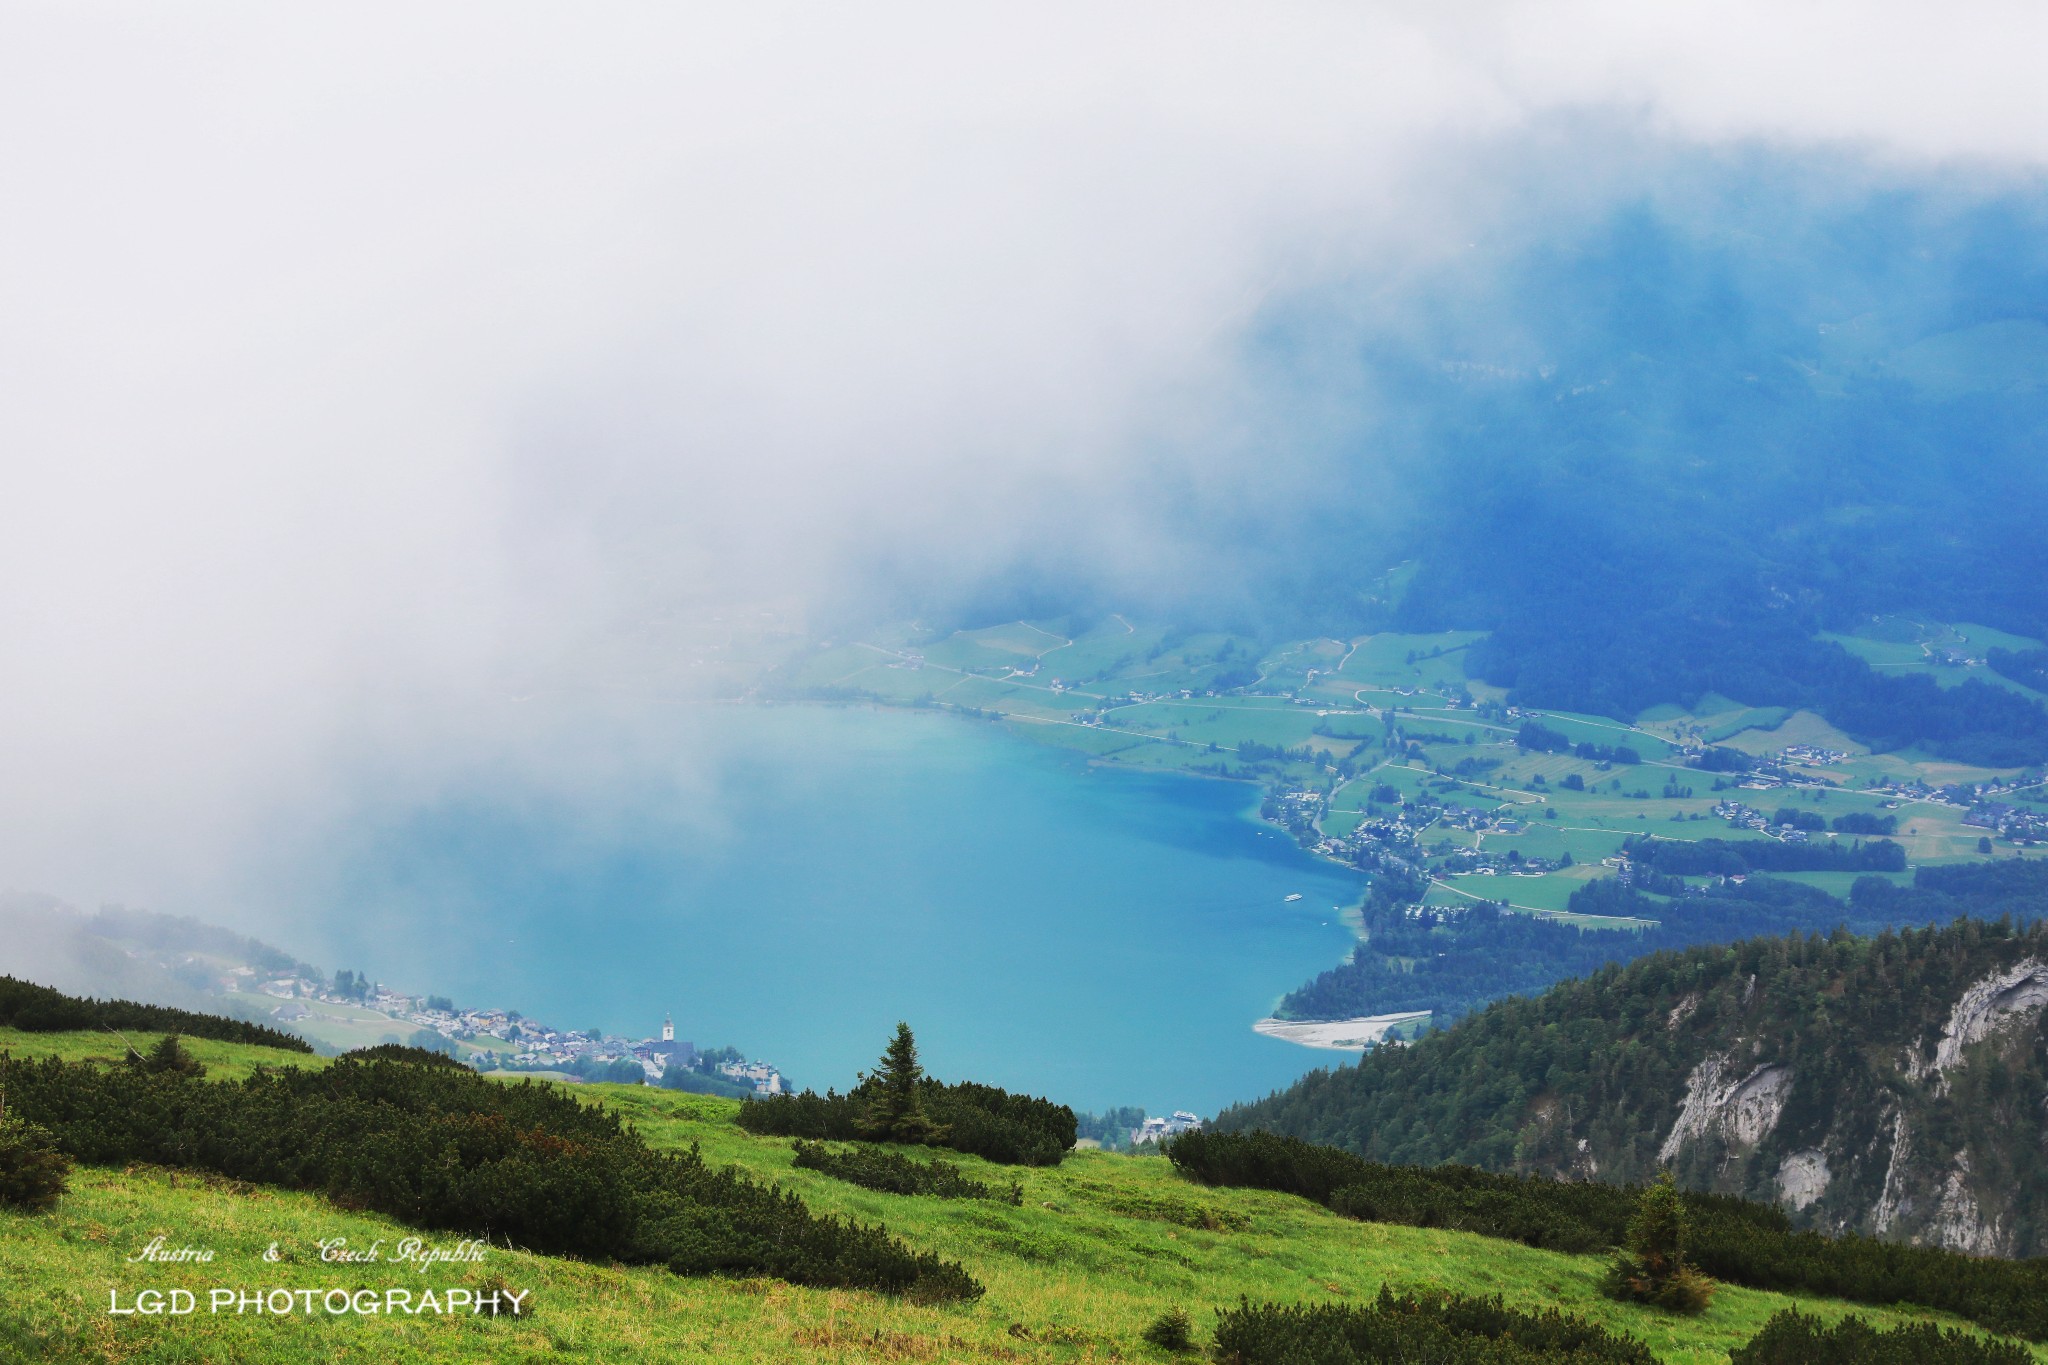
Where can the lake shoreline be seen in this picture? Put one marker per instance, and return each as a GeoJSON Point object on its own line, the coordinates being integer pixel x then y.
{"type": "Point", "coordinates": [1336, 1035]}
{"type": "Point", "coordinates": [1102, 942]}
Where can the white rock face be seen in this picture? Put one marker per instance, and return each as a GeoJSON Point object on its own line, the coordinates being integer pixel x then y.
{"type": "Point", "coordinates": [2014, 996]}
{"type": "Point", "coordinates": [1744, 1110]}
{"type": "Point", "coordinates": [1803, 1178]}
{"type": "Point", "coordinates": [1892, 1201]}
{"type": "Point", "coordinates": [1958, 1223]}
{"type": "Point", "coordinates": [1682, 1011]}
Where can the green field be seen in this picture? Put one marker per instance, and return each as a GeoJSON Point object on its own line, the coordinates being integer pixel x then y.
{"type": "Point", "coordinates": [1101, 1246]}
{"type": "Point", "coordinates": [1949, 653]}
{"type": "Point", "coordinates": [1139, 695]}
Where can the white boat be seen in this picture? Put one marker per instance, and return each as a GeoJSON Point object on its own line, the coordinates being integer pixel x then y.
{"type": "Point", "coordinates": [1295, 897]}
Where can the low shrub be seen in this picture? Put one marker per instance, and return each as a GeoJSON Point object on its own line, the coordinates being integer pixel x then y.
{"type": "Point", "coordinates": [168, 1056]}
{"type": "Point", "coordinates": [440, 1147]}
{"type": "Point", "coordinates": [1793, 1338]}
{"type": "Point", "coordinates": [873, 1168]}
{"type": "Point", "coordinates": [1442, 1330]}
{"type": "Point", "coordinates": [1172, 1331]}
{"type": "Point", "coordinates": [404, 1052]}
{"type": "Point", "coordinates": [980, 1120]}
{"type": "Point", "coordinates": [1536, 1212]}
{"type": "Point", "coordinates": [33, 1173]}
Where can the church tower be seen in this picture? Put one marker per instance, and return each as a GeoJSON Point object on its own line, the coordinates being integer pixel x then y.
{"type": "Point", "coordinates": [668, 1029]}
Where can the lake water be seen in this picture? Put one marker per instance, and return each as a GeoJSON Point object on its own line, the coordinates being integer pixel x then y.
{"type": "Point", "coordinates": [1098, 936]}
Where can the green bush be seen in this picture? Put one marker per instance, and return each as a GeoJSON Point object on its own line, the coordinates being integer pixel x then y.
{"type": "Point", "coordinates": [405, 1052]}
{"type": "Point", "coordinates": [1446, 1330]}
{"type": "Point", "coordinates": [1172, 1331]}
{"type": "Point", "coordinates": [438, 1146]}
{"type": "Point", "coordinates": [893, 1173]}
{"type": "Point", "coordinates": [1793, 1338]}
{"type": "Point", "coordinates": [1541, 1213]}
{"type": "Point", "coordinates": [980, 1120]}
{"type": "Point", "coordinates": [38, 1009]}
{"type": "Point", "coordinates": [33, 1173]}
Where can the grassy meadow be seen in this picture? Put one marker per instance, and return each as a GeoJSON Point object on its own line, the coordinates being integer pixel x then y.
{"type": "Point", "coordinates": [1100, 1247]}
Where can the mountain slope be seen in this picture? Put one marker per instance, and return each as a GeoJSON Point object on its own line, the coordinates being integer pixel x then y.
{"type": "Point", "coordinates": [1895, 1086]}
{"type": "Point", "coordinates": [1100, 1247]}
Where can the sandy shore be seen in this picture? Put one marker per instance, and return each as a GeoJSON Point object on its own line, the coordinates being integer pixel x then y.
{"type": "Point", "coordinates": [1341, 1035]}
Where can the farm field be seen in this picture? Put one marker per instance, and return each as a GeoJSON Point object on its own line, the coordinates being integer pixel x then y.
{"type": "Point", "coordinates": [1949, 653]}
{"type": "Point", "coordinates": [1363, 726]}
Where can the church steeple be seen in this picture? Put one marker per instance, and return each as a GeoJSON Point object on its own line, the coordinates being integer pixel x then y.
{"type": "Point", "coordinates": [668, 1029]}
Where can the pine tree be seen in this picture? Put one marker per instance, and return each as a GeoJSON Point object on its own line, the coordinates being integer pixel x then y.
{"type": "Point", "coordinates": [895, 1111]}
{"type": "Point", "coordinates": [168, 1056]}
{"type": "Point", "coordinates": [1653, 1269]}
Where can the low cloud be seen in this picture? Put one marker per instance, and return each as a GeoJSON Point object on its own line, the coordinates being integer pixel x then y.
{"type": "Point", "coordinates": [370, 380]}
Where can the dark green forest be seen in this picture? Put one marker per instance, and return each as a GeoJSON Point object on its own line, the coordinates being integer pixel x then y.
{"type": "Point", "coordinates": [1674, 444]}
{"type": "Point", "coordinates": [1710, 468]}
{"type": "Point", "coordinates": [39, 1009]}
{"type": "Point", "coordinates": [1453, 960]}
{"type": "Point", "coordinates": [1588, 1078]}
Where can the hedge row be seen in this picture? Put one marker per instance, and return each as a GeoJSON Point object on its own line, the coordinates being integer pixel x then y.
{"type": "Point", "coordinates": [1016, 1130]}
{"type": "Point", "coordinates": [1455, 1330]}
{"type": "Point", "coordinates": [1448, 1330]}
{"type": "Point", "coordinates": [1793, 1338]}
{"type": "Point", "coordinates": [37, 1009]}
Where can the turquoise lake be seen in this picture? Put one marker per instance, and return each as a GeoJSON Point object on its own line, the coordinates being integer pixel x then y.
{"type": "Point", "coordinates": [1094, 935]}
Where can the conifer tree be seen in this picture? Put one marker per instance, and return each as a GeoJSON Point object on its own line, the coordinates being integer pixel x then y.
{"type": "Point", "coordinates": [168, 1056]}
{"type": "Point", "coordinates": [895, 1111]}
{"type": "Point", "coordinates": [1653, 1269]}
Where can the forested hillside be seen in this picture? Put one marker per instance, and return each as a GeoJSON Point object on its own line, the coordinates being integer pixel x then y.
{"type": "Point", "coordinates": [1894, 1084]}
{"type": "Point", "coordinates": [1833, 419]}
{"type": "Point", "coordinates": [1454, 960]}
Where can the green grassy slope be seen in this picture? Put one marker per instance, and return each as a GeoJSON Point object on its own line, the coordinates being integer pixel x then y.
{"type": "Point", "coordinates": [1100, 1247]}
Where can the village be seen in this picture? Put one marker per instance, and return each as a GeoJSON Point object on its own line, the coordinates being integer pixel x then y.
{"type": "Point", "coordinates": [506, 1040]}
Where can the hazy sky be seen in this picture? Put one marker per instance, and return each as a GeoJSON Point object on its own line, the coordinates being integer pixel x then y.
{"type": "Point", "coordinates": [357, 362]}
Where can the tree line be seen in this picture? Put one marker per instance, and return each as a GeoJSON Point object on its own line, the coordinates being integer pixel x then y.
{"type": "Point", "coordinates": [1452, 960]}
{"type": "Point", "coordinates": [1455, 1329]}
{"type": "Point", "coordinates": [1586, 1078]}
{"type": "Point", "coordinates": [1540, 738]}
{"type": "Point", "coordinates": [1740, 857]}
{"type": "Point", "coordinates": [32, 1008]}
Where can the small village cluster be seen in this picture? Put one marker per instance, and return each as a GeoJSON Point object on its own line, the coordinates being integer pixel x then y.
{"type": "Point", "coordinates": [495, 1039]}
{"type": "Point", "coordinates": [2022, 825]}
{"type": "Point", "coordinates": [1156, 1130]}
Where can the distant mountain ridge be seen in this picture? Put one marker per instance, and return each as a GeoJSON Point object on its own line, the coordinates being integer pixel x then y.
{"type": "Point", "coordinates": [1895, 1086]}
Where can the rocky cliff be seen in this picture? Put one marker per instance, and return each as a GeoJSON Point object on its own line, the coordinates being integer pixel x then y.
{"type": "Point", "coordinates": [1895, 1085]}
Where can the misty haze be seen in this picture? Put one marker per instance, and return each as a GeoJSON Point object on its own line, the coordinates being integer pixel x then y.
{"type": "Point", "coordinates": [1154, 656]}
